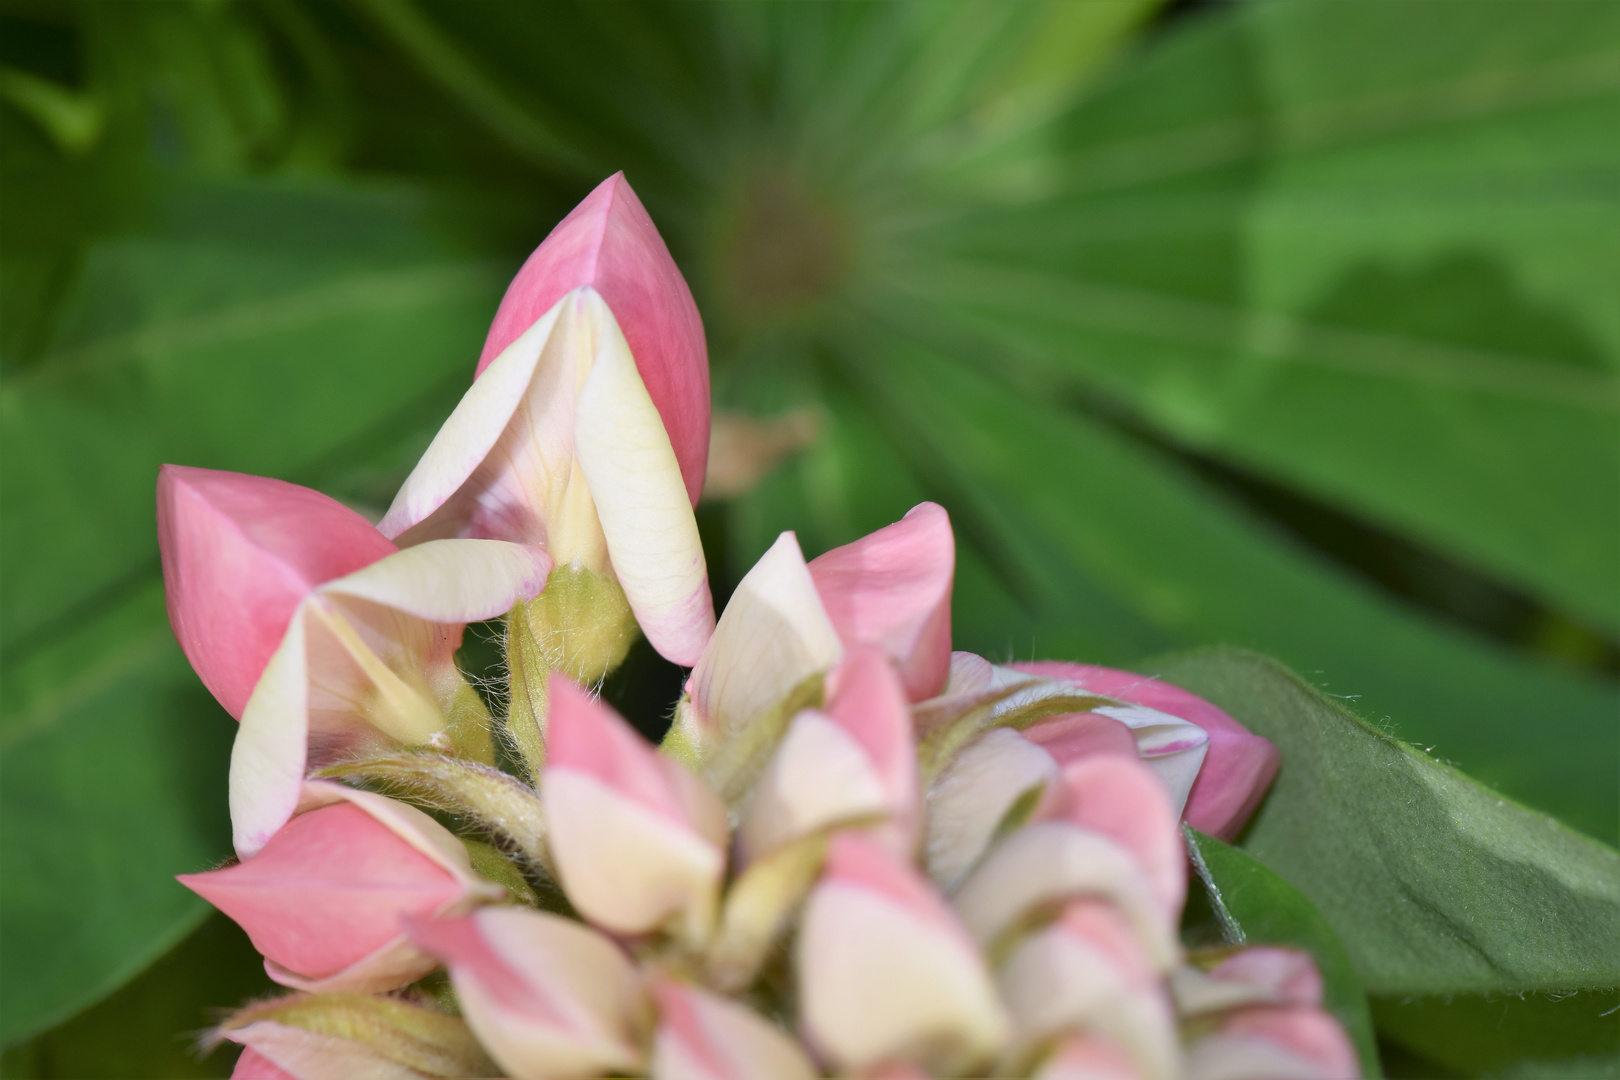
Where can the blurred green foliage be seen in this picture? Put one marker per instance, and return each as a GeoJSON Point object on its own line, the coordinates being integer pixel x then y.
{"type": "Point", "coordinates": [1281, 325]}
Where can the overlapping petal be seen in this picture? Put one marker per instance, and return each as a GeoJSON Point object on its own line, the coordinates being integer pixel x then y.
{"type": "Point", "coordinates": [638, 840]}
{"type": "Point", "coordinates": [705, 1037]}
{"type": "Point", "coordinates": [546, 996]}
{"type": "Point", "coordinates": [365, 662]}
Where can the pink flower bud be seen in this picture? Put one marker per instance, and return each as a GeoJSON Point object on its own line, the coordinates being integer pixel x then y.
{"type": "Point", "coordinates": [892, 588]}
{"type": "Point", "coordinates": [1087, 971]}
{"type": "Point", "coordinates": [545, 995]}
{"type": "Point", "coordinates": [886, 972]}
{"type": "Point", "coordinates": [587, 429]}
{"type": "Point", "coordinates": [1074, 736]}
{"type": "Point", "coordinates": [773, 635]}
{"type": "Point", "coordinates": [1238, 765]}
{"type": "Point", "coordinates": [1106, 831]}
{"type": "Point", "coordinates": [1295, 1041]}
{"type": "Point", "coordinates": [240, 553]}
{"type": "Point", "coordinates": [609, 243]}
{"type": "Point", "coordinates": [854, 761]}
{"type": "Point", "coordinates": [705, 1037]}
{"type": "Point", "coordinates": [323, 901]}
{"type": "Point", "coordinates": [1286, 975]}
{"type": "Point", "coordinates": [637, 839]}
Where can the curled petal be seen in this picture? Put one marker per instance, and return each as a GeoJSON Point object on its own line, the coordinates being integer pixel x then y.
{"type": "Point", "coordinates": [646, 517]}
{"type": "Point", "coordinates": [972, 798]}
{"type": "Point", "coordinates": [1073, 736]}
{"type": "Point", "coordinates": [239, 555]}
{"type": "Point", "coordinates": [892, 588]}
{"type": "Point", "coordinates": [1238, 766]}
{"type": "Point", "coordinates": [609, 243]}
{"type": "Point", "coordinates": [545, 995]}
{"type": "Point", "coordinates": [325, 899]}
{"type": "Point", "coordinates": [705, 1037]}
{"type": "Point", "coordinates": [886, 972]}
{"type": "Point", "coordinates": [366, 661]}
{"type": "Point", "coordinates": [637, 839]}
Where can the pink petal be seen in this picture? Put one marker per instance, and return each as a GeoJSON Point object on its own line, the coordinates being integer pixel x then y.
{"type": "Point", "coordinates": [546, 996]}
{"type": "Point", "coordinates": [867, 700]}
{"type": "Point", "coordinates": [239, 553]}
{"type": "Point", "coordinates": [1122, 799]}
{"type": "Point", "coordinates": [1238, 767]}
{"type": "Point", "coordinates": [705, 1037]}
{"type": "Point", "coordinates": [252, 1065]}
{"type": "Point", "coordinates": [855, 861]}
{"type": "Point", "coordinates": [328, 890]}
{"type": "Point", "coordinates": [587, 736]}
{"type": "Point", "coordinates": [1290, 975]}
{"type": "Point", "coordinates": [1087, 1058]}
{"type": "Point", "coordinates": [1073, 736]}
{"type": "Point", "coordinates": [893, 588]}
{"type": "Point", "coordinates": [1303, 1031]}
{"type": "Point", "coordinates": [609, 242]}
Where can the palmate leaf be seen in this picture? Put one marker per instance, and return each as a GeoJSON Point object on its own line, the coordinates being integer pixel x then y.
{"type": "Point", "coordinates": [301, 331]}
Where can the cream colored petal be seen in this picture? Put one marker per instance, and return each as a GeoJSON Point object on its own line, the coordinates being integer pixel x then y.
{"type": "Point", "coordinates": [548, 997]}
{"type": "Point", "coordinates": [818, 776]}
{"type": "Point", "coordinates": [625, 868]}
{"type": "Point", "coordinates": [773, 635]}
{"type": "Point", "coordinates": [473, 430]}
{"type": "Point", "coordinates": [450, 581]}
{"type": "Point", "coordinates": [878, 983]}
{"type": "Point", "coordinates": [969, 801]}
{"type": "Point", "coordinates": [1051, 861]}
{"type": "Point", "coordinates": [641, 501]}
{"type": "Point", "coordinates": [1172, 747]}
{"type": "Point", "coordinates": [270, 752]}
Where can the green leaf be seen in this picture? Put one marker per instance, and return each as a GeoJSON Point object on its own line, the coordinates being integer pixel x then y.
{"type": "Point", "coordinates": [313, 332]}
{"type": "Point", "coordinates": [1509, 1035]}
{"type": "Point", "coordinates": [1434, 884]}
{"type": "Point", "coordinates": [1256, 907]}
{"type": "Point", "coordinates": [149, 1027]}
{"type": "Point", "coordinates": [1350, 247]}
{"type": "Point", "coordinates": [1083, 523]}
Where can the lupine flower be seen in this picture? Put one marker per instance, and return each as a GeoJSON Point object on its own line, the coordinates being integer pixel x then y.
{"type": "Point", "coordinates": [365, 634]}
{"type": "Point", "coordinates": [325, 898]}
{"type": "Point", "coordinates": [856, 852]}
{"type": "Point", "coordinates": [587, 428]}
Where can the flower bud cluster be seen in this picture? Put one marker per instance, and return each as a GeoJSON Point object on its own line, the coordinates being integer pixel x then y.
{"type": "Point", "coordinates": [857, 853]}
